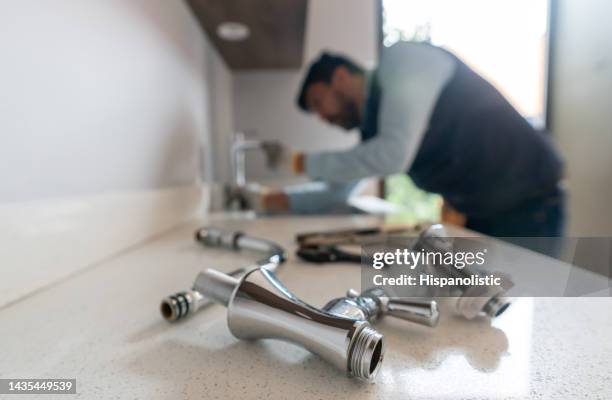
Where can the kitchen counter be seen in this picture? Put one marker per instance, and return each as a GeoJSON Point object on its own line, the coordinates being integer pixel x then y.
{"type": "Point", "coordinates": [102, 326]}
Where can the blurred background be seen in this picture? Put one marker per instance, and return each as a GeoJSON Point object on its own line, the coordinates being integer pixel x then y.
{"type": "Point", "coordinates": [118, 117]}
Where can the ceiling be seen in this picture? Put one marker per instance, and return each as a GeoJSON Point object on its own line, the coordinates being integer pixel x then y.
{"type": "Point", "coordinates": [277, 31]}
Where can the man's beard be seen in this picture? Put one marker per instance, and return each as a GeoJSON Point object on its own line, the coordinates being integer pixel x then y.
{"type": "Point", "coordinates": [349, 117]}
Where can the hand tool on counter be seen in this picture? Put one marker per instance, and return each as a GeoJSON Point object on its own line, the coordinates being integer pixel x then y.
{"type": "Point", "coordinates": [345, 245]}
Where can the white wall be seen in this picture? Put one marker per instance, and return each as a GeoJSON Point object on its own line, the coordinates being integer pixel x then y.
{"type": "Point", "coordinates": [582, 111]}
{"type": "Point", "coordinates": [105, 109]}
{"type": "Point", "coordinates": [221, 110]}
{"type": "Point", "coordinates": [264, 101]}
{"type": "Point", "coordinates": [347, 26]}
{"type": "Point", "coordinates": [99, 96]}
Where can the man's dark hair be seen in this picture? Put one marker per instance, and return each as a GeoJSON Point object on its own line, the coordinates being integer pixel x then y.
{"type": "Point", "coordinates": [322, 70]}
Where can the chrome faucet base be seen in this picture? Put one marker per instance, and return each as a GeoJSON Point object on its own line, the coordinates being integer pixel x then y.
{"type": "Point", "coordinates": [261, 307]}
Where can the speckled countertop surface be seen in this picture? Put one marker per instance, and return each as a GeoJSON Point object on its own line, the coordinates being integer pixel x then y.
{"type": "Point", "coordinates": [102, 327]}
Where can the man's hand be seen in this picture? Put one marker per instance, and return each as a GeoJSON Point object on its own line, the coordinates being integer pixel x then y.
{"type": "Point", "coordinates": [452, 216]}
{"type": "Point", "coordinates": [265, 200]}
{"type": "Point", "coordinates": [275, 202]}
{"type": "Point", "coordinates": [282, 158]}
{"type": "Point", "coordinates": [299, 163]}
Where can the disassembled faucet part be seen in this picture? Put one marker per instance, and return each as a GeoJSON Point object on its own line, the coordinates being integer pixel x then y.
{"type": "Point", "coordinates": [470, 301]}
{"type": "Point", "coordinates": [274, 255]}
{"type": "Point", "coordinates": [373, 304]}
{"type": "Point", "coordinates": [182, 304]}
{"type": "Point", "coordinates": [261, 307]}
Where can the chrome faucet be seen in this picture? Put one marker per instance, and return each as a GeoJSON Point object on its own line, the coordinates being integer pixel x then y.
{"type": "Point", "coordinates": [240, 145]}
{"type": "Point", "coordinates": [238, 194]}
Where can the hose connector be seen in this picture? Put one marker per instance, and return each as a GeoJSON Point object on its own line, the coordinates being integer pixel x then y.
{"type": "Point", "coordinates": [182, 304]}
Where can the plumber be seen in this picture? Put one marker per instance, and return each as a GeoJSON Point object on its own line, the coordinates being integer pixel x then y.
{"type": "Point", "coordinates": [425, 113]}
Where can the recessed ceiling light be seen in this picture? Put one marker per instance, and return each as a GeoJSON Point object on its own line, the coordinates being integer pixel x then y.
{"type": "Point", "coordinates": [233, 31]}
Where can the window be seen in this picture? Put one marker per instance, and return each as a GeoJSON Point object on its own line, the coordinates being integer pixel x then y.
{"type": "Point", "coordinates": [505, 41]}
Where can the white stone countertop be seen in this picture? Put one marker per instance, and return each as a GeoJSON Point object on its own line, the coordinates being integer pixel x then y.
{"type": "Point", "coordinates": [102, 326]}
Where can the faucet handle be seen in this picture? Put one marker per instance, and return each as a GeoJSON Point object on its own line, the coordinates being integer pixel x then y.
{"type": "Point", "coordinates": [418, 310]}
{"type": "Point", "coordinates": [423, 311]}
